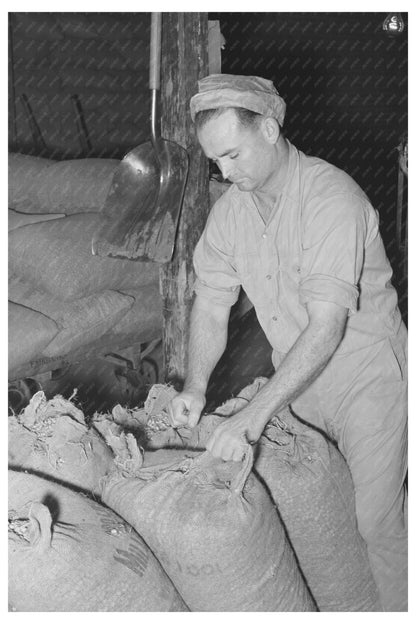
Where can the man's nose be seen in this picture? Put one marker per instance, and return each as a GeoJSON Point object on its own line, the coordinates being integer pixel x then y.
{"type": "Point", "coordinates": [226, 168]}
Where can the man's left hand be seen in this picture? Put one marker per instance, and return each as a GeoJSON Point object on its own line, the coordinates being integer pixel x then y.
{"type": "Point", "coordinates": [229, 440]}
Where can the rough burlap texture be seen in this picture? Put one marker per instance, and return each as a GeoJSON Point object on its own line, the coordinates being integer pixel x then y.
{"type": "Point", "coordinates": [86, 320]}
{"type": "Point", "coordinates": [68, 553]}
{"type": "Point", "coordinates": [23, 180]}
{"type": "Point", "coordinates": [140, 420]}
{"type": "Point", "coordinates": [214, 529]}
{"type": "Point", "coordinates": [74, 186]}
{"type": "Point", "coordinates": [80, 322]}
{"type": "Point", "coordinates": [56, 256]}
{"type": "Point", "coordinates": [17, 219]}
{"type": "Point", "coordinates": [160, 434]}
{"type": "Point", "coordinates": [40, 185]}
{"type": "Point", "coordinates": [311, 486]}
{"type": "Point", "coordinates": [29, 333]}
{"type": "Point", "coordinates": [50, 438]}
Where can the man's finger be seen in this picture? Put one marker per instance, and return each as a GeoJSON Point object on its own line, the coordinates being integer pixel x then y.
{"type": "Point", "coordinates": [216, 449]}
{"type": "Point", "coordinates": [193, 418]}
{"type": "Point", "coordinates": [238, 454]}
{"type": "Point", "coordinates": [179, 414]}
{"type": "Point", "coordinates": [212, 441]}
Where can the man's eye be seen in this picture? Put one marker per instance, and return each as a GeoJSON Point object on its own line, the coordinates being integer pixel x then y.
{"type": "Point", "coordinates": [234, 156]}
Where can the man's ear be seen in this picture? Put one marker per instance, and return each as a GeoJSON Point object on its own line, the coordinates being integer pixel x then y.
{"type": "Point", "coordinates": [270, 129]}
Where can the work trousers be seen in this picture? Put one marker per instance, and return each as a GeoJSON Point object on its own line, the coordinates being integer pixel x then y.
{"type": "Point", "coordinates": [360, 402]}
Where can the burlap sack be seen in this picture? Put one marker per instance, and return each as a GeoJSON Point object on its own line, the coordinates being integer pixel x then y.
{"type": "Point", "coordinates": [50, 438]}
{"type": "Point", "coordinates": [74, 186]}
{"type": "Point", "coordinates": [56, 256]}
{"type": "Point", "coordinates": [146, 312]}
{"type": "Point", "coordinates": [311, 485]}
{"type": "Point", "coordinates": [151, 425]}
{"type": "Point", "coordinates": [87, 319]}
{"type": "Point", "coordinates": [29, 333]}
{"type": "Point", "coordinates": [68, 553]}
{"type": "Point", "coordinates": [17, 219]}
{"type": "Point", "coordinates": [23, 180]}
{"type": "Point", "coordinates": [215, 531]}
{"type": "Point", "coordinates": [124, 441]}
{"type": "Point", "coordinates": [160, 434]}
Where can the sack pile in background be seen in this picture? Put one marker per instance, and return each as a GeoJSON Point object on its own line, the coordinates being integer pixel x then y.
{"type": "Point", "coordinates": [63, 301]}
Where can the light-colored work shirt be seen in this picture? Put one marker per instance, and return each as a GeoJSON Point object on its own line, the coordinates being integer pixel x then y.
{"type": "Point", "coordinates": [320, 243]}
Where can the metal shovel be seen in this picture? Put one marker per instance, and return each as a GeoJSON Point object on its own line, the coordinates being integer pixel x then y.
{"type": "Point", "coordinates": [141, 211]}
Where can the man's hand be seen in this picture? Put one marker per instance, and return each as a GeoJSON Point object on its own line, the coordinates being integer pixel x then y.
{"type": "Point", "coordinates": [229, 440]}
{"type": "Point", "coordinates": [185, 409]}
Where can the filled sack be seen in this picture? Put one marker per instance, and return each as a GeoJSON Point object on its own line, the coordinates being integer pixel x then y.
{"type": "Point", "coordinates": [80, 321]}
{"type": "Point", "coordinates": [29, 332]}
{"type": "Point", "coordinates": [68, 553]}
{"type": "Point", "coordinates": [51, 439]}
{"type": "Point", "coordinates": [214, 529]}
{"type": "Point", "coordinates": [310, 483]}
{"type": "Point", "coordinates": [74, 186]}
{"type": "Point", "coordinates": [312, 487]}
{"type": "Point", "coordinates": [158, 432]}
{"type": "Point", "coordinates": [23, 181]}
{"type": "Point", "coordinates": [17, 219]}
{"type": "Point", "coordinates": [84, 320]}
{"type": "Point", "coordinates": [145, 315]}
{"type": "Point", "coordinates": [151, 425]}
{"type": "Point", "coordinates": [56, 256]}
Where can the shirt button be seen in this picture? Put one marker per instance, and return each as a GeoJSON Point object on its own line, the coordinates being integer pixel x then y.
{"type": "Point", "coordinates": [264, 235]}
{"type": "Point", "coordinates": [268, 277]}
{"type": "Point", "coordinates": [274, 318]}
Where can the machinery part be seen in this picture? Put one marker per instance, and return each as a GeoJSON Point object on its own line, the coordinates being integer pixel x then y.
{"type": "Point", "coordinates": [20, 393]}
{"type": "Point", "coordinates": [135, 371]}
{"type": "Point", "coordinates": [135, 383]}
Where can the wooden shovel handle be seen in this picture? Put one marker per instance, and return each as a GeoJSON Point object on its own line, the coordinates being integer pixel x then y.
{"type": "Point", "coordinates": [155, 47]}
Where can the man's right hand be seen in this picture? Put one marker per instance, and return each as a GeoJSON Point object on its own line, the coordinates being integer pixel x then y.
{"type": "Point", "coordinates": [185, 409]}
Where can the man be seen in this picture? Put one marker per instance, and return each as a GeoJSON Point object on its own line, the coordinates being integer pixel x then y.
{"type": "Point", "coordinates": [303, 241]}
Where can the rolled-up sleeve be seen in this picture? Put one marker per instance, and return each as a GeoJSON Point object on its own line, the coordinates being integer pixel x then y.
{"type": "Point", "coordinates": [216, 276]}
{"type": "Point", "coordinates": [333, 251]}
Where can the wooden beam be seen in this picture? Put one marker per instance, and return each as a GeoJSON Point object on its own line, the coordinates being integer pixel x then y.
{"type": "Point", "coordinates": [184, 62]}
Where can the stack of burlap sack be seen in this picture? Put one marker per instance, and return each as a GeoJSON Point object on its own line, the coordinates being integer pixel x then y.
{"type": "Point", "coordinates": [124, 513]}
{"type": "Point", "coordinates": [63, 301]}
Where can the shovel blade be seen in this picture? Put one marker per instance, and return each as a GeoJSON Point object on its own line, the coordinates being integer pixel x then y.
{"type": "Point", "coordinates": [142, 209]}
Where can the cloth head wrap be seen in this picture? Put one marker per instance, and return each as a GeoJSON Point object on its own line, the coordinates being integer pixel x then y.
{"type": "Point", "coordinates": [251, 92]}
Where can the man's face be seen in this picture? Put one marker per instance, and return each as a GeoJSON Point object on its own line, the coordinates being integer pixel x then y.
{"type": "Point", "coordinates": [243, 154]}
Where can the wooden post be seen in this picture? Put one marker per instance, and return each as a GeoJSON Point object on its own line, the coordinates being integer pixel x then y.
{"type": "Point", "coordinates": [184, 62]}
{"type": "Point", "coordinates": [12, 92]}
